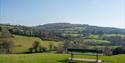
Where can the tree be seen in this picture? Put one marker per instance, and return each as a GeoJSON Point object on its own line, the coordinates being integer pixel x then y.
{"type": "Point", "coordinates": [66, 45]}
{"type": "Point", "coordinates": [119, 50]}
{"type": "Point", "coordinates": [36, 45]}
{"type": "Point", "coordinates": [60, 48]}
{"type": "Point", "coordinates": [78, 43]}
{"type": "Point", "coordinates": [107, 51]}
{"type": "Point", "coordinates": [6, 43]}
{"type": "Point", "coordinates": [0, 28]}
{"type": "Point", "coordinates": [50, 46]}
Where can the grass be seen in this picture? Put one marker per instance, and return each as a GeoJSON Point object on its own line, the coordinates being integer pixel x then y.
{"type": "Point", "coordinates": [107, 59]}
{"type": "Point", "coordinates": [22, 43]}
{"type": "Point", "coordinates": [93, 36]}
{"type": "Point", "coordinates": [33, 58]}
{"type": "Point", "coordinates": [96, 36]}
{"type": "Point", "coordinates": [94, 47]}
{"type": "Point", "coordinates": [53, 58]}
{"type": "Point", "coordinates": [69, 34]}
{"type": "Point", "coordinates": [108, 35]}
{"type": "Point", "coordinates": [73, 30]}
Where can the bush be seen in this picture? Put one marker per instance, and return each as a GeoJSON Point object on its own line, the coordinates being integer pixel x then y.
{"type": "Point", "coordinates": [107, 51]}
{"type": "Point", "coordinates": [36, 47]}
{"type": "Point", "coordinates": [60, 50]}
{"type": "Point", "coordinates": [119, 50]}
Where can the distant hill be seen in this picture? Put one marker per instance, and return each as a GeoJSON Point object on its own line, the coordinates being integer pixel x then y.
{"type": "Point", "coordinates": [84, 28]}
{"type": "Point", "coordinates": [72, 32]}
{"type": "Point", "coordinates": [61, 31]}
{"type": "Point", "coordinates": [66, 28]}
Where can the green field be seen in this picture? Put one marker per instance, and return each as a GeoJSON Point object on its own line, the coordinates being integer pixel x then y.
{"type": "Point", "coordinates": [22, 43]}
{"type": "Point", "coordinates": [53, 58]}
{"type": "Point", "coordinates": [122, 35]}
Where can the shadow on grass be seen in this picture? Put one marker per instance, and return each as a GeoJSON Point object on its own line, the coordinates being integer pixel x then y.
{"type": "Point", "coordinates": [69, 61]}
{"type": "Point", "coordinates": [64, 61]}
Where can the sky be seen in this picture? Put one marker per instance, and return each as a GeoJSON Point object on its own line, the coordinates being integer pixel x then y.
{"type": "Point", "coordinates": [106, 13]}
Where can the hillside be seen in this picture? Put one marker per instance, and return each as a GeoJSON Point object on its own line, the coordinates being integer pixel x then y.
{"type": "Point", "coordinates": [59, 31]}
{"type": "Point", "coordinates": [23, 43]}
{"type": "Point", "coordinates": [68, 28]}
{"type": "Point", "coordinates": [79, 28]}
{"type": "Point", "coordinates": [67, 31]}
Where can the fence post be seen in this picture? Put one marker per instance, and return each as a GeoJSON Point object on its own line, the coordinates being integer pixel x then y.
{"type": "Point", "coordinates": [72, 55]}
{"type": "Point", "coordinates": [97, 58]}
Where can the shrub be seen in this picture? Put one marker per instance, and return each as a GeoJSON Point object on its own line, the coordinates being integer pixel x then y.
{"type": "Point", "coordinates": [119, 50]}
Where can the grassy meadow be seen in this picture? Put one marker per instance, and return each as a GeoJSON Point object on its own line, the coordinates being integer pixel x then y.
{"type": "Point", "coordinates": [54, 58]}
{"type": "Point", "coordinates": [22, 43]}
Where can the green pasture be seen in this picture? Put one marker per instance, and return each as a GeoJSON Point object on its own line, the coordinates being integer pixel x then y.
{"type": "Point", "coordinates": [54, 58]}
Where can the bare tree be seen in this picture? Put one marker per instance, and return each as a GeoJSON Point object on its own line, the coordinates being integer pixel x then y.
{"type": "Point", "coordinates": [60, 48]}
{"type": "Point", "coordinates": [6, 43]}
{"type": "Point", "coordinates": [107, 51]}
{"type": "Point", "coordinates": [66, 45]}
